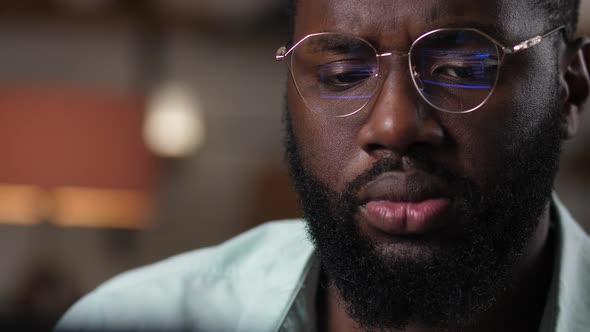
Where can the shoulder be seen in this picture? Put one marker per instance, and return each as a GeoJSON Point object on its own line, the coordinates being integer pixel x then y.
{"type": "Point", "coordinates": [197, 286]}
{"type": "Point", "coordinates": [260, 246]}
{"type": "Point", "coordinates": [573, 268]}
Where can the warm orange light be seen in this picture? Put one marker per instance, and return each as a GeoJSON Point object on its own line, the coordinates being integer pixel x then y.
{"type": "Point", "coordinates": [75, 207]}
{"type": "Point", "coordinates": [101, 208]}
{"type": "Point", "coordinates": [19, 204]}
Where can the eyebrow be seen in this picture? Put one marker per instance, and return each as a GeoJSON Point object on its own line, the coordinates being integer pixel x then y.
{"type": "Point", "coordinates": [434, 14]}
{"type": "Point", "coordinates": [337, 43]}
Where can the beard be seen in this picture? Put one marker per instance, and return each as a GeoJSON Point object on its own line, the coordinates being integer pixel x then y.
{"type": "Point", "coordinates": [454, 281]}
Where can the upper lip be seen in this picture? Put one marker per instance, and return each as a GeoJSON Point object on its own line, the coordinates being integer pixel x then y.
{"type": "Point", "coordinates": [415, 186]}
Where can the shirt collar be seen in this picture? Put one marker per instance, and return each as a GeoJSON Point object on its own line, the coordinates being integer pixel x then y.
{"type": "Point", "coordinates": [568, 307]}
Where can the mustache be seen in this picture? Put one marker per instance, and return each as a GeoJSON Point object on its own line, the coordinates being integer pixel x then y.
{"type": "Point", "coordinates": [458, 183]}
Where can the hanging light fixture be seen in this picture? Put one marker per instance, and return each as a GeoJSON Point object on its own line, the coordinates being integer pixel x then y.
{"type": "Point", "coordinates": [173, 126]}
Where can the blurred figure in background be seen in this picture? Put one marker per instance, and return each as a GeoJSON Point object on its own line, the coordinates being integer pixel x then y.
{"type": "Point", "coordinates": [44, 295]}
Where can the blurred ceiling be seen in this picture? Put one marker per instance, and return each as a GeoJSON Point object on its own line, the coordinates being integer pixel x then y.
{"type": "Point", "coordinates": [210, 12]}
{"type": "Point", "coordinates": [234, 12]}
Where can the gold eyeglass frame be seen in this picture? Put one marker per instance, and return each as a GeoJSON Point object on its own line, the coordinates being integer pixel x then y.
{"type": "Point", "coordinates": [283, 53]}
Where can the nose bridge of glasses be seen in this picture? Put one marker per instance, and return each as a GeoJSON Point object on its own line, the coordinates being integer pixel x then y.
{"type": "Point", "coordinates": [388, 60]}
{"type": "Point", "coordinates": [391, 58]}
{"type": "Point", "coordinates": [393, 54]}
{"type": "Point", "coordinates": [394, 74]}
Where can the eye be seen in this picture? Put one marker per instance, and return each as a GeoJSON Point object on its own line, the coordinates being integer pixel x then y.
{"type": "Point", "coordinates": [456, 72]}
{"type": "Point", "coordinates": [344, 75]}
{"type": "Point", "coordinates": [464, 70]}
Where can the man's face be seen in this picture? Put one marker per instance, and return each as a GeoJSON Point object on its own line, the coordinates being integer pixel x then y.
{"type": "Point", "coordinates": [420, 215]}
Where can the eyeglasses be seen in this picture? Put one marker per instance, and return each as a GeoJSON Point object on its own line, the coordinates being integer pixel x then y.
{"type": "Point", "coordinates": [454, 70]}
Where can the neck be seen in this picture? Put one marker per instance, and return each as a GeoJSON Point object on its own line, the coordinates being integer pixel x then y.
{"type": "Point", "coordinates": [520, 308]}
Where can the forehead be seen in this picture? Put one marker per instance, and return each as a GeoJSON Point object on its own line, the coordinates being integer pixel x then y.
{"type": "Point", "coordinates": [407, 19]}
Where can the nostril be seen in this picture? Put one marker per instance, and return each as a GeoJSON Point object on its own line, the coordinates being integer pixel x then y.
{"type": "Point", "coordinates": [374, 147]}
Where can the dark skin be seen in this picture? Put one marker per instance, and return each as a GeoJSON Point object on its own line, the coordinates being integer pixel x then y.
{"type": "Point", "coordinates": [337, 150]}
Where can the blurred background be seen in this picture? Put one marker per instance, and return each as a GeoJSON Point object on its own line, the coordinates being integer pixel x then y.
{"type": "Point", "coordinates": [134, 130]}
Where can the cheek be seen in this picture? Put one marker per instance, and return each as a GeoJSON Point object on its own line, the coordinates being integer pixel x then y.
{"type": "Point", "coordinates": [515, 111]}
{"type": "Point", "coordinates": [327, 145]}
{"type": "Point", "coordinates": [526, 96]}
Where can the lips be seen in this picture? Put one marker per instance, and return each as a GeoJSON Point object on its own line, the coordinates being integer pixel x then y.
{"type": "Point", "coordinates": [399, 203]}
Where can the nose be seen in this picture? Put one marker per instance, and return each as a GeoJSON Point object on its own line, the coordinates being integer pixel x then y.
{"type": "Point", "coordinates": [399, 120]}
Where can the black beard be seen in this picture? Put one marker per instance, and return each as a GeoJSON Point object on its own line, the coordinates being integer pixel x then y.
{"type": "Point", "coordinates": [461, 279]}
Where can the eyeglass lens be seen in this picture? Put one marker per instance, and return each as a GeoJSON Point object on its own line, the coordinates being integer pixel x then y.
{"type": "Point", "coordinates": [456, 69]}
{"type": "Point", "coordinates": [337, 74]}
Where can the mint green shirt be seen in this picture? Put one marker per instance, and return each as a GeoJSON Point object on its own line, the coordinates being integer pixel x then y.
{"type": "Point", "coordinates": [266, 280]}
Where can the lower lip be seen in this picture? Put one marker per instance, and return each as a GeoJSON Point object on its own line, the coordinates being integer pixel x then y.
{"type": "Point", "coordinates": [406, 217]}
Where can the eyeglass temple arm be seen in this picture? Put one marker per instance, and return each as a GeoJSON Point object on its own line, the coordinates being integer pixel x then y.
{"type": "Point", "coordinates": [281, 53]}
{"type": "Point", "coordinates": [529, 42]}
